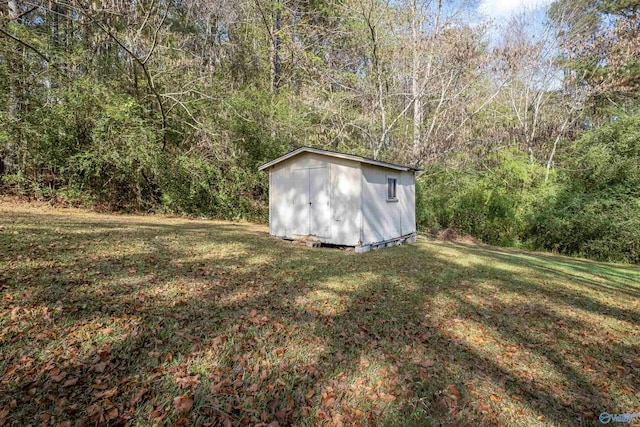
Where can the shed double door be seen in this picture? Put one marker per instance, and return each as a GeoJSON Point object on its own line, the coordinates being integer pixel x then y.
{"type": "Point", "coordinates": [312, 202]}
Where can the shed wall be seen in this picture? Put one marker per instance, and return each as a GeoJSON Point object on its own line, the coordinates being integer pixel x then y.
{"type": "Point", "coordinates": [407, 196]}
{"type": "Point", "coordinates": [344, 190]}
{"type": "Point", "coordinates": [383, 219]}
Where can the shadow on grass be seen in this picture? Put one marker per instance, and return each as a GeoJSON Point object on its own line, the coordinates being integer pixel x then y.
{"type": "Point", "coordinates": [433, 333]}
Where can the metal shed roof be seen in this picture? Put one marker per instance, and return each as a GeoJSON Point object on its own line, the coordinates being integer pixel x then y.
{"type": "Point", "coordinates": [340, 156]}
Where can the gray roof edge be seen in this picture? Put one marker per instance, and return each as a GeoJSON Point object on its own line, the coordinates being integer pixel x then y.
{"type": "Point", "coordinates": [337, 155]}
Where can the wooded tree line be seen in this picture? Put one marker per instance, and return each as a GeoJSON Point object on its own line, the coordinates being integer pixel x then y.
{"type": "Point", "coordinates": [527, 129]}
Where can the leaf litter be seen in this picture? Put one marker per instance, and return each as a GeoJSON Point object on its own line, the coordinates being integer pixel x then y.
{"type": "Point", "coordinates": [203, 322]}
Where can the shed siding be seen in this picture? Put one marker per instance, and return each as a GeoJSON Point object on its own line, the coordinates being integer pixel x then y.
{"type": "Point", "coordinates": [407, 196]}
{"type": "Point", "coordinates": [383, 219]}
{"type": "Point", "coordinates": [345, 203]}
{"type": "Point", "coordinates": [380, 217]}
{"type": "Point", "coordinates": [344, 176]}
{"type": "Point", "coordinates": [279, 215]}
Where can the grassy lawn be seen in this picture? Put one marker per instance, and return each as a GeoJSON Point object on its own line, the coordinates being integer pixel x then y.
{"type": "Point", "coordinates": [152, 320]}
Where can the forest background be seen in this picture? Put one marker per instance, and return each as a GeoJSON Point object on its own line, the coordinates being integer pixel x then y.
{"type": "Point", "coordinates": [528, 129]}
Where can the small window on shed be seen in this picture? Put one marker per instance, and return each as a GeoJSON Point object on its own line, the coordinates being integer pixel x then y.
{"type": "Point", "coordinates": [391, 189]}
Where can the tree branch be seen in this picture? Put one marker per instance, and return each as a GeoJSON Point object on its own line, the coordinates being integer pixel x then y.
{"type": "Point", "coordinates": [34, 49]}
{"type": "Point", "coordinates": [145, 71]}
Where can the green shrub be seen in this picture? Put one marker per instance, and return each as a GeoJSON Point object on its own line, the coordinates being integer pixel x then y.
{"type": "Point", "coordinates": [597, 212]}
{"type": "Point", "coordinates": [118, 165]}
{"type": "Point", "coordinates": [489, 200]}
{"type": "Point", "coordinates": [193, 185]}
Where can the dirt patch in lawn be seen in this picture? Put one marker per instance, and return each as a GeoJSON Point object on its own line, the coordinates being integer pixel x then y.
{"type": "Point", "coordinates": [454, 235]}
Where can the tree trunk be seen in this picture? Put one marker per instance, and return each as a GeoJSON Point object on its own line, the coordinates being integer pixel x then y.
{"type": "Point", "coordinates": [276, 64]}
{"type": "Point", "coordinates": [416, 94]}
{"type": "Point", "coordinates": [13, 9]}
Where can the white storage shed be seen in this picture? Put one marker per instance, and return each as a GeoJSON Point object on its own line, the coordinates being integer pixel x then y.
{"type": "Point", "coordinates": [341, 199]}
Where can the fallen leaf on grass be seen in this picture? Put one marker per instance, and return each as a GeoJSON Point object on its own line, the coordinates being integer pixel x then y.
{"type": "Point", "coordinates": [627, 389]}
{"type": "Point", "coordinates": [70, 382]}
{"type": "Point", "coordinates": [427, 363]}
{"type": "Point", "coordinates": [94, 412]}
{"type": "Point", "coordinates": [111, 414]}
{"type": "Point", "coordinates": [567, 401]}
{"type": "Point", "coordinates": [190, 381]}
{"type": "Point", "coordinates": [216, 388]}
{"type": "Point", "coordinates": [138, 397]}
{"type": "Point", "coordinates": [182, 422]}
{"type": "Point", "coordinates": [157, 414]}
{"type": "Point", "coordinates": [453, 392]}
{"type": "Point", "coordinates": [386, 397]}
{"type": "Point", "coordinates": [100, 367]}
{"type": "Point", "coordinates": [99, 386]}
{"type": "Point", "coordinates": [483, 407]}
{"type": "Point", "coordinates": [59, 377]}
{"type": "Point", "coordinates": [11, 371]}
{"type": "Point", "coordinates": [183, 403]}
{"type": "Point", "coordinates": [106, 394]}
{"type": "Point", "coordinates": [321, 414]}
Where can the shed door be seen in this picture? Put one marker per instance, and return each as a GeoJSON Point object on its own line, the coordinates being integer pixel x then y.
{"type": "Point", "coordinates": [312, 202]}
{"type": "Point", "coordinates": [300, 184]}
{"type": "Point", "coordinates": [320, 216]}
